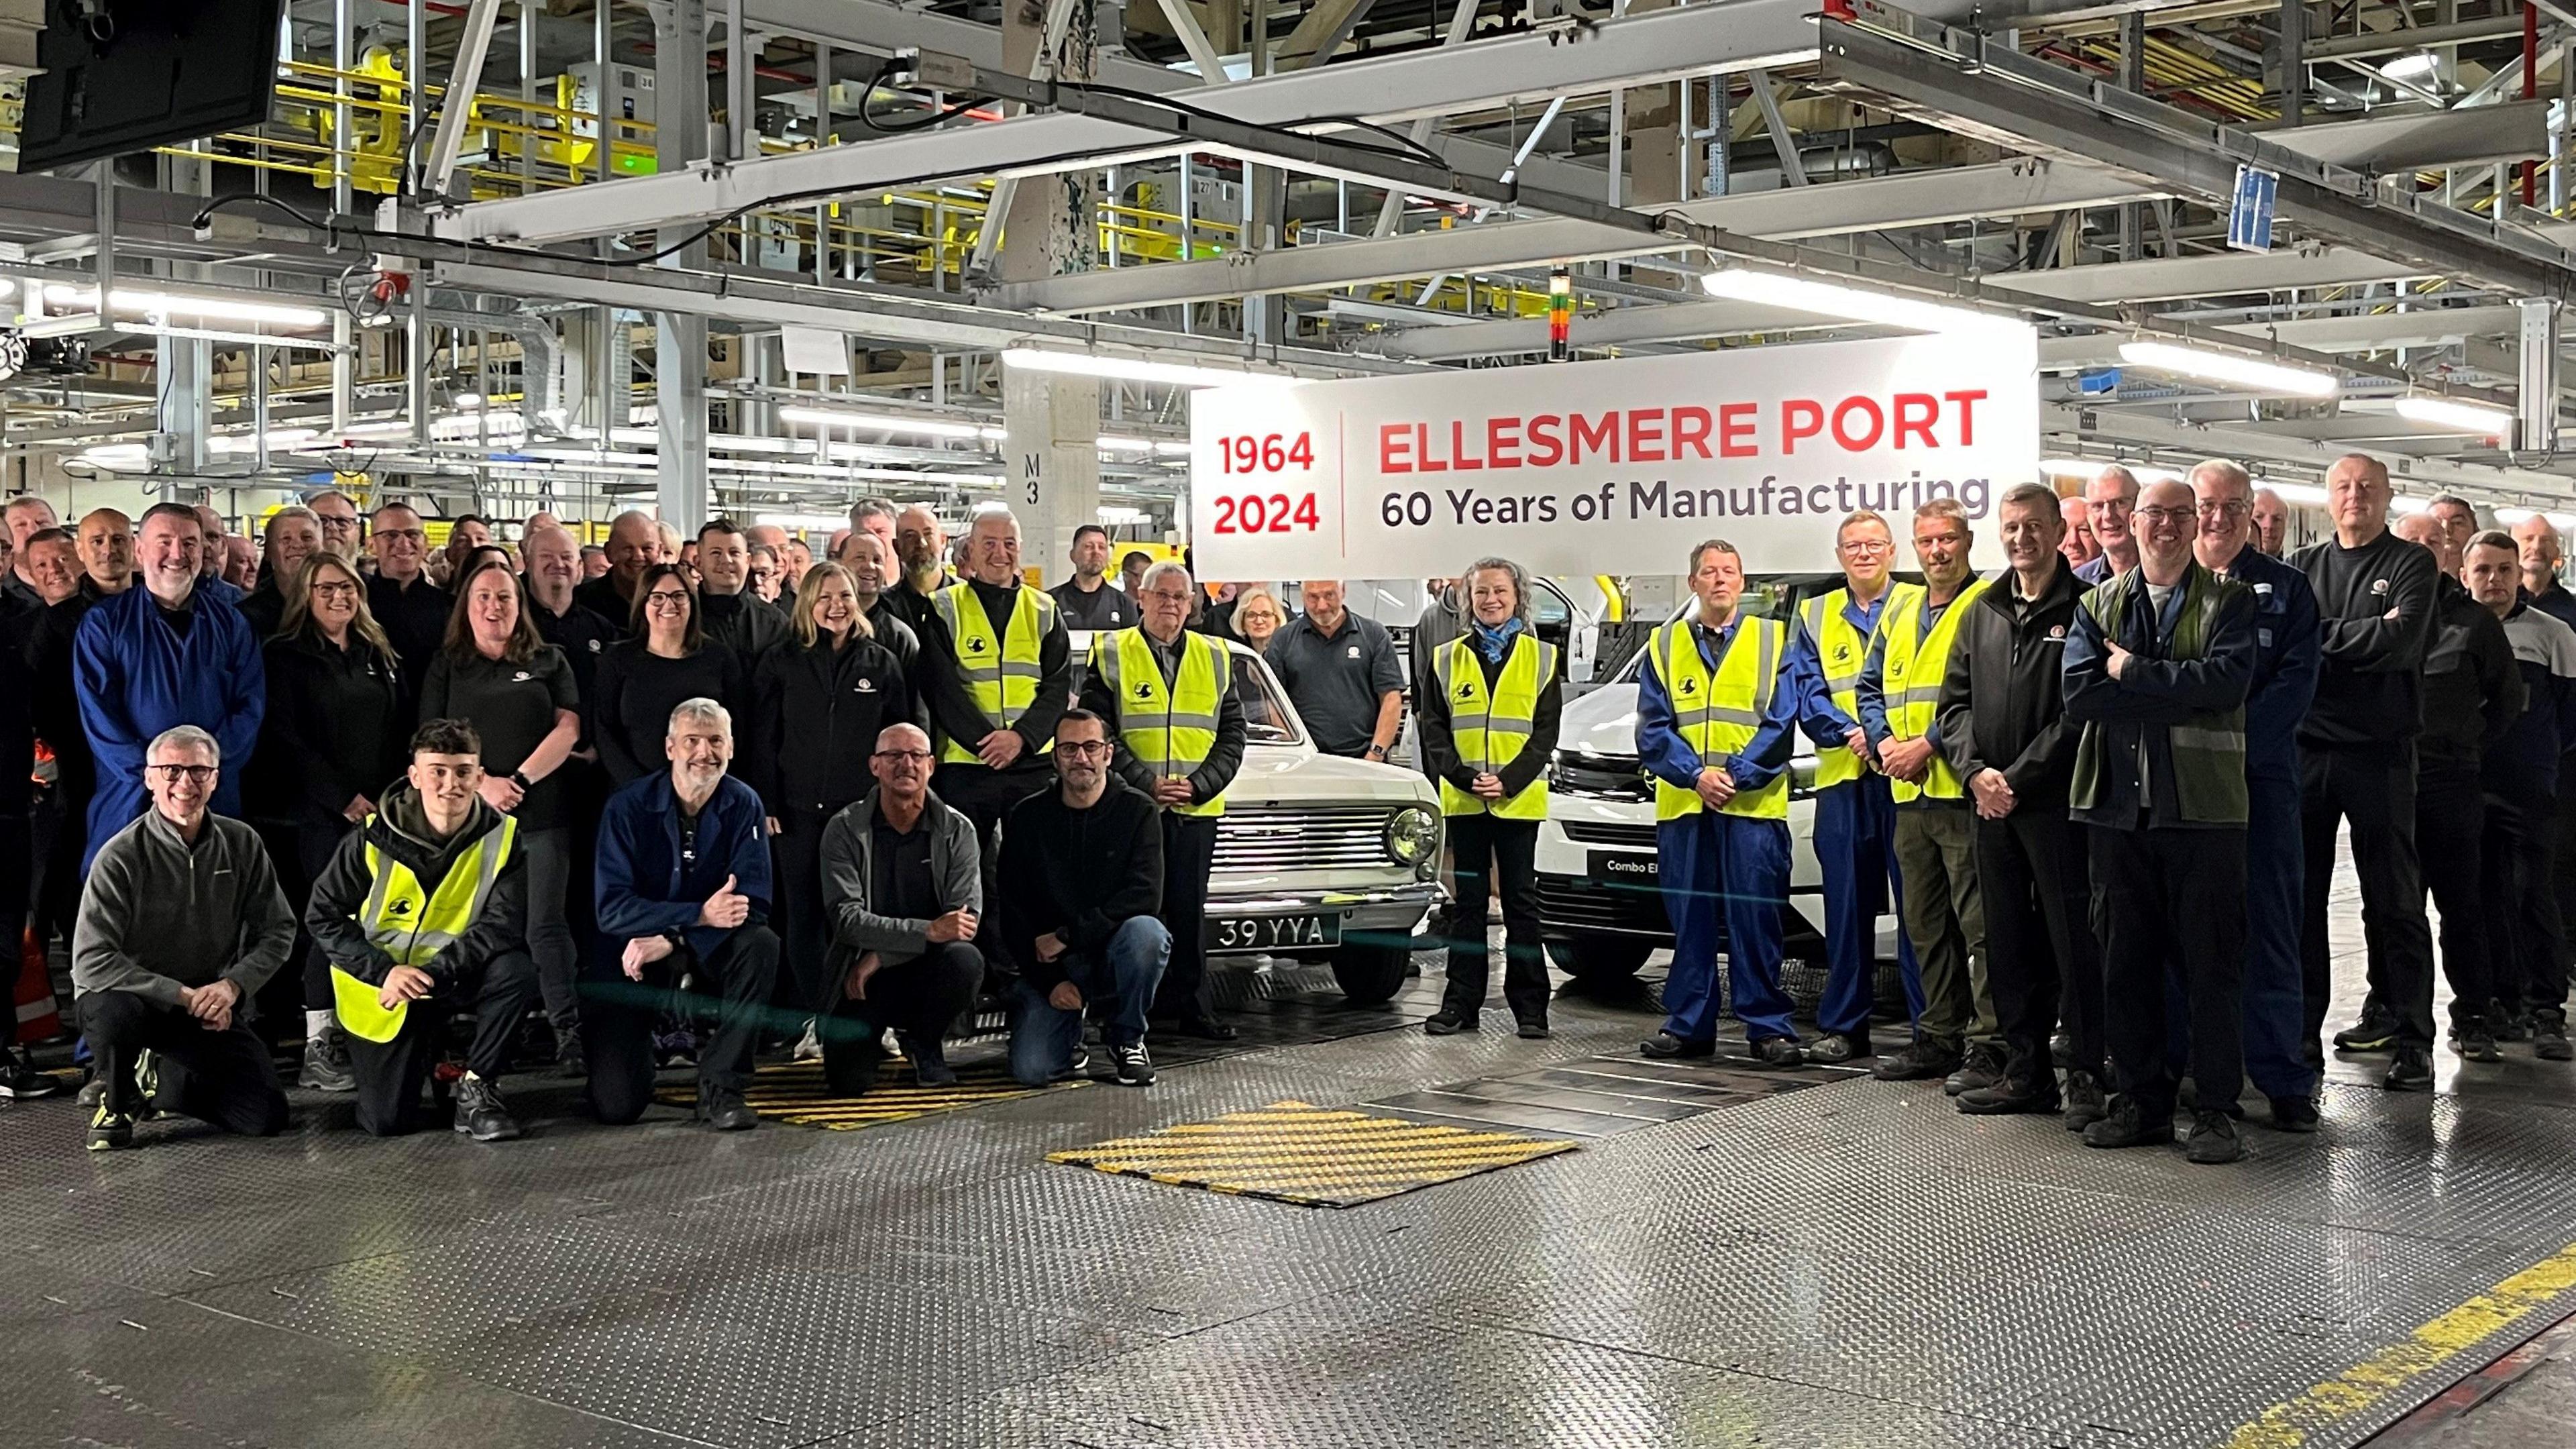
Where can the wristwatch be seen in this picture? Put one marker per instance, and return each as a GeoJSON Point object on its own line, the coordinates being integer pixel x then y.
{"type": "Point", "coordinates": [1375, 752]}
{"type": "Point", "coordinates": [520, 779]}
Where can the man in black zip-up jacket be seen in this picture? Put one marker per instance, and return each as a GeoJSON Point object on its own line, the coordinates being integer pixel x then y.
{"type": "Point", "coordinates": [2004, 730]}
{"type": "Point", "coordinates": [2520, 773]}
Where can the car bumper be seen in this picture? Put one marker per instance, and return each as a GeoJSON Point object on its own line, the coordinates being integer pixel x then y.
{"type": "Point", "coordinates": [1576, 897]}
{"type": "Point", "coordinates": [1374, 916]}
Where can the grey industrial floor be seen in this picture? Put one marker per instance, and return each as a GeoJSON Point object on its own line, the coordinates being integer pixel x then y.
{"type": "Point", "coordinates": [1850, 1265]}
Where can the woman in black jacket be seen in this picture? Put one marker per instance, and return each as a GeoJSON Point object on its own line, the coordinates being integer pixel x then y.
{"type": "Point", "coordinates": [669, 659]}
{"type": "Point", "coordinates": [332, 739]}
{"type": "Point", "coordinates": [821, 698]}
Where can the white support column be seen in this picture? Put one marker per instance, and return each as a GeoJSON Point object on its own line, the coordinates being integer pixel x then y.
{"type": "Point", "coordinates": [680, 340]}
{"type": "Point", "coordinates": [1051, 455]}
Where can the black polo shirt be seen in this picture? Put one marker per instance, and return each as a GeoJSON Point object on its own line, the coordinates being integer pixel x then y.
{"type": "Point", "coordinates": [1106, 607]}
{"type": "Point", "coordinates": [1337, 682]}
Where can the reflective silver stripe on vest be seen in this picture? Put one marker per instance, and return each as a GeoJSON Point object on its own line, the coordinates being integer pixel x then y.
{"type": "Point", "coordinates": [438, 941]}
{"type": "Point", "coordinates": [2192, 737]}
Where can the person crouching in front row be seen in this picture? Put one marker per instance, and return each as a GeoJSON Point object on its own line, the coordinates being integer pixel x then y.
{"type": "Point", "coordinates": [903, 896]}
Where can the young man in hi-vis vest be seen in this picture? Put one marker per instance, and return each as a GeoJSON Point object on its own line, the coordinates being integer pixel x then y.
{"type": "Point", "coordinates": [1714, 715]}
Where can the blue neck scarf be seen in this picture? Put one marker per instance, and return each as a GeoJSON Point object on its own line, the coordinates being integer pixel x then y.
{"type": "Point", "coordinates": [1495, 643]}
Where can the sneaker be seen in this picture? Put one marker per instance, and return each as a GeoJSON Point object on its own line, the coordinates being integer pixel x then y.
{"type": "Point", "coordinates": [569, 1059]}
{"type": "Point", "coordinates": [1078, 1063]}
{"type": "Point", "coordinates": [2129, 1124]}
{"type": "Point", "coordinates": [1920, 1062]}
{"type": "Point", "coordinates": [326, 1063]}
{"type": "Point", "coordinates": [110, 1129]}
{"type": "Point", "coordinates": [1663, 1046]}
{"type": "Point", "coordinates": [479, 1112]}
{"type": "Point", "coordinates": [2475, 1042]}
{"type": "Point", "coordinates": [2376, 1031]}
{"type": "Point", "coordinates": [2549, 1037]}
{"type": "Point", "coordinates": [1779, 1051]}
{"type": "Point", "coordinates": [1983, 1067]}
{"type": "Point", "coordinates": [2213, 1139]}
{"type": "Point", "coordinates": [2411, 1072]}
{"type": "Point", "coordinates": [1446, 1022]}
{"type": "Point", "coordinates": [2511, 1024]}
{"type": "Point", "coordinates": [929, 1060]}
{"type": "Point", "coordinates": [92, 1092]}
{"type": "Point", "coordinates": [19, 1079]}
{"type": "Point", "coordinates": [2085, 1103]}
{"type": "Point", "coordinates": [809, 1047]}
{"type": "Point", "coordinates": [1135, 1066]}
{"type": "Point", "coordinates": [2295, 1114]}
{"type": "Point", "coordinates": [1834, 1047]}
{"type": "Point", "coordinates": [677, 1046]}
{"type": "Point", "coordinates": [723, 1109]}
{"type": "Point", "coordinates": [2009, 1096]}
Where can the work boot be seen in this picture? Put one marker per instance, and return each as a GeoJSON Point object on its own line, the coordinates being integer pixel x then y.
{"type": "Point", "coordinates": [2411, 1072]}
{"type": "Point", "coordinates": [1983, 1067]}
{"type": "Point", "coordinates": [2295, 1114]}
{"type": "Point", "coordinates": [1135, 1065]}
{"type": "Point", "coordinates": [2375, 1031]}
{"type": "Point", "coordinates": [326, 1063]}
{"type": "Point", "coordinates": [1534, 1028]}
{"type": "Point", "coordinates": [1835, 1048]}
{"type": "Point", "coordinates": [1921, 1062]}
{"type": "Point", "coordinates": [2213, 1139]}
{"type": "Point", "coordinates": [569, 1060]}
{"type": "Point", "coordinates": [723, 1109]}
{"type": "Point", "coordinates": [2511, 1023]}
{"type": "Point", "coordinates": [1663, 1046]}
{"type": "Point", "coordinates": [2085, 1103]}
{"type": "Point", "coordinates": [479, 1113]}
{"type": "Point", "coordinates": [2009, 1095]}
{"type": "Point", "coordinates": [19, 1079]}
{"type": "Point", "coordinates": [2131, 1123]}
{"type": "Point", "coordinates": [929, 1059]}
{"type": "Point", "coordinates": [2549, 1036]}
{"type": "Point", "coordinates": [1446, 1022]}
{"type": "Point", "coordinates": [1778, 1051]}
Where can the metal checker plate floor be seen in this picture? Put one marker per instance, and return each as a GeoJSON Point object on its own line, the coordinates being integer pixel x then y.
{"type": "Point", "coordinates": [1851, 1264]}
{"type": "Point", "coordinates": [1296, 1152]}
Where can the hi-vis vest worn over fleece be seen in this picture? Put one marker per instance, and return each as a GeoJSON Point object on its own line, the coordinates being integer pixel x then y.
{"type": "Point", "coordinates": [2208, 748]}
{"type": "Point", "coordinates": [412, 925]}
{"type": "Point", "coordinates": [1490, 731]}
{"type": "Point", "coordinates": [1911, 686]}
{"type": "Point", "coordinates": [1171, 728]}
{"type": "Point", "coordinates": [1841, 650]}
{"type": "Point", "coordinates": [1000, 667]}
{"type": "Point", "coordinates": [1717, 714]}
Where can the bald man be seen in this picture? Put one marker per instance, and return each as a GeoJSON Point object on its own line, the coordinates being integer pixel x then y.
{"type": "Point", "coordinates": [634, 545]}
{"type": "Point", "coordinates": [2271, 523]}
{"type": "Point", "coordinates": [921, 549]}
{"type": "Point", "coordinates": [214, 550]}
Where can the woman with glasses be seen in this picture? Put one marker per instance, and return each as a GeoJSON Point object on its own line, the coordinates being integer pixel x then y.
{"type": "Point", "coordinates": [819, 702]}
{"type": "Point", "coordinates": [331, 741]}
{"type": "Point", "coordinates": [496, 674]}
{"type": "Point", "coordinates": [1257, 616]}
{"type": "Point", "coordinates": [667, 659]}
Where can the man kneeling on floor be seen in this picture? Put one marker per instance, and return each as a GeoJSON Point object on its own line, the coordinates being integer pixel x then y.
{"type": "Point", "coordinates": [423, 910]}
{"type": "Point", "coordinates": [903, 887]}
{"type": "Point", "coordinates": [180, 924]}
{"type": "Point", "coordinates": [683, 891]}
{"type": "Point", "coordinates": [1081, 879]}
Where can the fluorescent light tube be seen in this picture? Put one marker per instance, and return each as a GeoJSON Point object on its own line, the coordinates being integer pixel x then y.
{"type": "Point", "coordinates": [2229, 367]}
{"type": "Point", "coordinates": [1126, 369]}
{"type": "Point", "coordinates": [879, 422]}
{"type": "Point", "coordinates": [2442, 412]}
{"type": "Point", "coordinates": [175, 304]}
{"type": "Point", "coordinates": [1852, 304]}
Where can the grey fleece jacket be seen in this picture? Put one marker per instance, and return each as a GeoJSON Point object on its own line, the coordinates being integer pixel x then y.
{"type": "Point", "coordinates": [849, 876]}
{"type": "Point", "coordinates": [159, 913]}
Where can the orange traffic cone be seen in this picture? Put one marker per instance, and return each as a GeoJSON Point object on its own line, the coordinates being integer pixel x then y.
{"type": "Point", "coordinates": [38, 1018]}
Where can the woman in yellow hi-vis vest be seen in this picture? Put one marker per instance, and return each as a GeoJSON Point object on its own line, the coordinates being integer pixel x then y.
{"type": "Point", "coordinates": [424, 912]}
{"type": "Point", "coordinates": [1714, 716]}
{"type": "Point", "coordinates": [1488, 718]}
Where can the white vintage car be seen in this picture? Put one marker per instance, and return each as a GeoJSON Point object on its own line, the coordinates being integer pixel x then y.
{"type": "Point", "coordinates": [1318, 858]}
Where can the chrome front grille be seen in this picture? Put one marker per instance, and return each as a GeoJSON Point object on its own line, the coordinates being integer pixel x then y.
{"type": "Point", "coordinates": [1269, 841]}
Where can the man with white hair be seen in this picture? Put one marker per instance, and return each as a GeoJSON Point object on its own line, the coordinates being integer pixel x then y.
{"type": "Point", "coordinates": [2108, 500]}
{"type": "Point", "coordinates": [180, 926]}
{"type": "Point", "coordinates": [684, 890]}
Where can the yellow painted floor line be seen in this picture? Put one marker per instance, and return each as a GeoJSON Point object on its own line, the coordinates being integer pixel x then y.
{"type": "Point", "coordinates": [2288, 1424]}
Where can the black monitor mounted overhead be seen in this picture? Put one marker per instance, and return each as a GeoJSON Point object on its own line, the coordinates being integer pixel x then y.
{"type": "Point", "coordinates": [126, 75]}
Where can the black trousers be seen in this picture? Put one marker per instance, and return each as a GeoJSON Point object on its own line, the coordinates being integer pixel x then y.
{"type": "Point", "coordinates": [2374, 788]}
{"type": "Point", "coordinates": [730, 986]}
{"type": "Point", "coordinates": [391, 1074]}
{"type": "Point", "coordinates": [2172, 896]}
{"type": "Point", "coordinates": [2526, 941]}
{"type": "Point", "coordinates": [920, 998]}
{"type": "Point", "coordinates": [1189, 853]}
{"type": "Point", "coordinates": [58, 891]}
{"type": "Point", "coordinates": [2450, 830]}
{"type": "Point", "coordinates": [222, 1077]}
{"type": "Point", "coordinates": [798, 854]}
{"type": "Point", "coordinates": [1493, 851]}
{"type": "Point", "coordinates": [2041, 957]}
{"type": "Point", "coordinates": [984, 795]}
{"type": "Point", "coordinates": [316, 841]}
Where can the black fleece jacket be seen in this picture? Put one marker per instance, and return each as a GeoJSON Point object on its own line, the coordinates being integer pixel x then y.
{"type": "Point", "coordinates": [816, 713]}
{"type": "Point", "coordinates": [2473, 690]}
{"type": "Point", "coordinates": [337, 724]}
{"type": "Point", "coordinates": [2003, 701]}
{"type": "Point", "coordinates": [1077, 874]}
{"type": "Point", "coordinates": [2370, 681]}
{"type": "Point", "coordinates": [400, 828]}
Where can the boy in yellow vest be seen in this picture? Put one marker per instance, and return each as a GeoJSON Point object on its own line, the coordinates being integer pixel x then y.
{"type": "Point", "coordinates": [1714, 715]}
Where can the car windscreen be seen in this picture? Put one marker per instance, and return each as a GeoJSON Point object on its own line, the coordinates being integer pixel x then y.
{"type": "Point", "coordinates": [1266, 720]}
{"type": "Point", "coordinates": [1766, 596]}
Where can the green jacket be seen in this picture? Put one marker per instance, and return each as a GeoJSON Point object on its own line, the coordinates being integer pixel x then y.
{"type": "Point", "coordinates": [2166, 740]}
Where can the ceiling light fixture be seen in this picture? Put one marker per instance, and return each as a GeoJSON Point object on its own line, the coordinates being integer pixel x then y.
{"type": "Point", "coordinates": [878, 422]}
{"type": "Point", "coordinates": [1852, 304]}
{"type": "Point", "coordinates": [2229, 367]}
{"type": "Point", "coordinates": [2407, 67]}
{"type": "Point", "coordinates": [1128, 369]}
{"type": "Point", "coordinates": [2442, 412]}
{"type": "Point", "coordinates": [176, 304]}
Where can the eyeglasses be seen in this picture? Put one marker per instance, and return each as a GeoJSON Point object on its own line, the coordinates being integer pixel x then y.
{"type": "Point", "coordinates": [666, 598]}
{"type": "Point", "coordinates": [2228, 508]}
{"type": "Point", "coordinates": [416, 535]}
{"type": "Point", "coordinates": [335, 591]}
{"type": "Point", "coordinates": [1867, 546]}
{"type": "Point", "coordinates": [893, 756]}
{"type": "Point", "coordinates": [2161, 515]}
{"type": "Point", "coordinates": [1084, 749]}
{"type": "Point", "coordinates": [197, 774]}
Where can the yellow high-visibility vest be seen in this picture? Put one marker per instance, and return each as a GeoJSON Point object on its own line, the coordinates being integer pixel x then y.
{"type": "Point", "coordinates": [1718, 713]}
{"type": "Point", "coordinates": [1490, 731]}
{"type": "Point", "coordinates": [999, 667]}
{"type": "Point", "coordinates": [413, 926]}
{"type": "Point", "coordinates": [1841, 650]}
{"type": "Point", "coordinates": [1911, 682]}
{"type": "Point", "coordinates": [1171, 728]}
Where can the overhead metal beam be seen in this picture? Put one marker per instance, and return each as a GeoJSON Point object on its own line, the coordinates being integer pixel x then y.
{"type": "Point", "coordinates": [2188, 440]}
{"type": "Point", "coordinates": [448, 141]}
{"type": "Point", "coordinates": [1524, 69]}
{"type": "Point", "coordinates": [2470, 136]}
{"type": "Point", "coordinates": [2368, 332]}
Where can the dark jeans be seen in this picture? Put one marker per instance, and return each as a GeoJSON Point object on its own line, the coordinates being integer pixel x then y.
{"type": "Point", "coordinates": [316, 841]}
{"type": "Point", "coordinates": [549, 854]}
{"type": "Point", "coordinates": [2374, 788]}
{"type": "Point", "coordinates": [2450, 826]}
{"type": "Point", "coordinates": [920, 998]}
{"type": "Point", "coordinates": [730, 986]}
{"type": "Point", "coordinates": [2040, 950]}
{"type": "Point", "coordinates": [2172, 896]}
{"type": "Point", "coordinates": [2527, 944]}
{"type": "Point", "coordinates": [1189, 852]}
{"type": "Point", "coordinates": [804, 988]}
{"type": "Point", "coordinates": [222, 1077]}
{"type": "Point", "coordinates": [391, 1074]}
{"type": "Point", "coordinates": [1493, 850]}
{"type": "Point", "coordinates": [1117, 984]}
{"type": "Point", "coordinates": [984, 795]}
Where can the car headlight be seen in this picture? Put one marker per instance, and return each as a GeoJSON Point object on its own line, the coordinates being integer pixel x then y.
{"type": "Point", "coordinates": [1802, 777]}
{"type": "Point", "coordinates": [1412, 835]}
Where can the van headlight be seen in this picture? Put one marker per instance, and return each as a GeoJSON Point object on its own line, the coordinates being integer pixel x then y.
{"type": "Point", "coordinates": [1412, 835]}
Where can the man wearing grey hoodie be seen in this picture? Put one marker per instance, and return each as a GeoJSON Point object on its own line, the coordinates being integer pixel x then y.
{"type": "Point", "coordinates": [903, 888]}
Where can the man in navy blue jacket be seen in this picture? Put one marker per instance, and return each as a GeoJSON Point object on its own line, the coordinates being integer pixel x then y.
{"type": "Point", "coordinates": [684, 887]}
{"type": "Point", "coordinates": [2519, 774]}
{"type": "Point", "coordinates": [154, 658]}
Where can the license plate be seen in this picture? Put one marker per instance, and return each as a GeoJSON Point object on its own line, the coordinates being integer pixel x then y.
{"type": "Point", "coordinates": [1619, 867]}
{"type": "Point", "coordinates": [1272, 933]}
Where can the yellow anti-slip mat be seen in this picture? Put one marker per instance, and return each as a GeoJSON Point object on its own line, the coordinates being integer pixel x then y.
{"type": "Point", "coordinates": [1294, 1152]}
{"type": "Point", "coordinates": [794, 1093]}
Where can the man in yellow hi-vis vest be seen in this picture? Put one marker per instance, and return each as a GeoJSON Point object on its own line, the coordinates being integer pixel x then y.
{"type": "Point", "coordinates": [1714, 715]}
{"type": "Point", "coordinates": [424, 911]}
{"type": "Point", "coordinates": [1855, 833]}
{"type": "Point", "coordinates": [1489, 709]}
{"type": "Point", "coordinates": [1168, 696]}
{"type": "Point", "coordinates": [1944, 916]}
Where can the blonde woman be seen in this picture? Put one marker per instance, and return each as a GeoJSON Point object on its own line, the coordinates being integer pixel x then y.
{"type": "Point", "coordinates": [1257, 616]}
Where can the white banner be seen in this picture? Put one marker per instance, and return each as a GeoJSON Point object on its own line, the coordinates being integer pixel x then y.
{"type": "Point", "coordinates": [1607, 467]}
